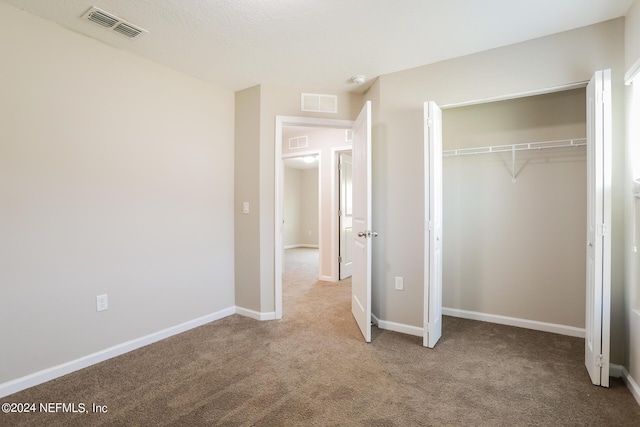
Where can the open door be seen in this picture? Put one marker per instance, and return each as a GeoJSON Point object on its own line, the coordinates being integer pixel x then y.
{"type": "Point", "coordinates": [345, 215]}
{"type": "Point", "coordinates": [433, 224]}
{"type": "Point", "coordinates": [362, 234]}
{"type": "Point", "coordinates": [598, 314]}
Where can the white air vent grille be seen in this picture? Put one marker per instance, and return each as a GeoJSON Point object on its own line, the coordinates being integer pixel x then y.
{"type": "Point", "coordinates": [318, 103]}
{"type": "Point", "coordinates": [127, 30]}
{"type": "Point", "coordinates": [114, 23]}
{"type": "Point", "coordinates": [101, 18]}
{"type": "Point", "coordinates": [348, 135]}
{"type": "Point", "coordinates": [298, 142]}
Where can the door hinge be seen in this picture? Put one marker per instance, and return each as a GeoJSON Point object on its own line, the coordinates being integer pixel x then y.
{"type": "Point", "coordinates": [339, 212]}
{"type": "Point", "coordinates": [601, 229]}
{"type": "Point", "coordinates": [429, 225]}
{"type": "Point", "coordinates": [428, 327]}
{"type": "Point", "coordinates": [340, 259]}
{"type": "Point", "coordinates": [340, 165]}
{"type": "Point", "coordinates": [600, 361]}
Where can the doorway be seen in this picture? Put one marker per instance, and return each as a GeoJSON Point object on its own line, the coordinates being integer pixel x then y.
{"type": "Point", "coordinates": [514, 208]}
{"type": "Point", "coordinates": [310, 138]}
{"type": "Point", "coordinates": [301, 212]}
{"type": "Point", "coordinates": [596, 174]}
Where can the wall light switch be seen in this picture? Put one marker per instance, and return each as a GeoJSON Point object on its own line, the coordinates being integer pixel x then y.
{"type": "Point", "coordinates": [245, 207]}
{"type": "Point", "coordinates": [399, 283]}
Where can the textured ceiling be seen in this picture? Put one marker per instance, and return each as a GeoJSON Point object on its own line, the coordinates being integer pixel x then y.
{"type": "Point", "coordinates": [320, 44]}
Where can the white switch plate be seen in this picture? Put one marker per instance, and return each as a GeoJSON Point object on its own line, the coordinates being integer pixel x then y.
{"type": "Point", "coordinates": [399, 283]}
{"type": "Point", "coordinates": [245, 207]}
{"type": "Point", "coordinates": [102, 302]}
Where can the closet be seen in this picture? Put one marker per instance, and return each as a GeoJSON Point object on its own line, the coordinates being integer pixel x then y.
{"type": "Point", "coordinates": [515, 185]}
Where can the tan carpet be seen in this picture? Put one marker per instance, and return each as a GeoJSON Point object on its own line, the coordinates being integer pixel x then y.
{"type": "Point", "coordinates": [313, 369]}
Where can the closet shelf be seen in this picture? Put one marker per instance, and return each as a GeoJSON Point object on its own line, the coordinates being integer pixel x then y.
{"type": "Point", "coordinates": [577, 142]}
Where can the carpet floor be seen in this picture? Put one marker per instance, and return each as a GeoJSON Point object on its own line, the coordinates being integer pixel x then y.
{"type": "Point", "coordinates": [312, 368]}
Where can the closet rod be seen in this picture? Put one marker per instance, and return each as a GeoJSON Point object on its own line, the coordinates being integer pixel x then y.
{"type": "Point", "coordinates": [576, 142]}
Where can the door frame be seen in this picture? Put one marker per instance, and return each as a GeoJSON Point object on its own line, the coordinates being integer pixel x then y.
{"type": "Point", "coordinates": [569, 86]}
{"type": "Point", "coordinates": [282, 121]}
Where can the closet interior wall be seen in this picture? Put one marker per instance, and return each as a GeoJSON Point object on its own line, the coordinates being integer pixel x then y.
{"type": "Point", "coordinates": [516, 248]}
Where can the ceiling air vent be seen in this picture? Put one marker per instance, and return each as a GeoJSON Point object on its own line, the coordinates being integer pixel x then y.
{"type": "Point", "coordinates": [114, 23]}
{"type": "Point", "coordinates": [318, 103]}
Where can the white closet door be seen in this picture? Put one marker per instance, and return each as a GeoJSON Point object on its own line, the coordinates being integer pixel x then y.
{"type": "Point", "coordinates": [433, 226]}
{"type": "Point", "coordinates": [598, 314]}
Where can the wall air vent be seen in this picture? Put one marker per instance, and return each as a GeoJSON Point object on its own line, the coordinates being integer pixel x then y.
{"type": "Point", "coordinates": [298, 142]}
{"type": "Point", "coordinates": [348, 135]}
{"type": "Point", "coordinates": [318, 103]}
{"type": "Point", "coordinates": [113, 23]}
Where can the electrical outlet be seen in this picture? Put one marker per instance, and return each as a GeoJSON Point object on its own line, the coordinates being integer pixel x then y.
{"type": "Point", "coordinates": [102, 302]}
{"type": "Point", "coordinates": [399, 284]}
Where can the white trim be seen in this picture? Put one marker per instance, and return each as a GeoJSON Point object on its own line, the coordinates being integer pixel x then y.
{"type": "Point", "coordinates": [326, 279]}
{"type": "Point", "coordinates": [54, 372]}
{"type": "Point", "coordinates": [632, 72]}
{"type": "Point", "coordinates": [297, 154]}
{"type": "Point", "coordinates": [513, 321]}
{"type": "Point", "coordinates": [570, 86]}
{"type": "Point", "coordinates": [301, 245]}
{"type": "Point", "coordinates": [616, 371]}
{"type": "Point", "coordinates": [278, 185]}
{"type": "Point", "coordinates": [271, 315]}
{"type": "Point", "coordinates": [632, 385]}
{"type": "Point", "coordinates": [397, 327]}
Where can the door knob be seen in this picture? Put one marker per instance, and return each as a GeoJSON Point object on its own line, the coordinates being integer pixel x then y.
{"type": "Point", "coordinates": [362, 234]}
{"type": "Point", "coordinates": [372, 234]}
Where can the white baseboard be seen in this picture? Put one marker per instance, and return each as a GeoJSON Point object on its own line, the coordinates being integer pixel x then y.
{"type": "Point", "coordinates": [632, 385]}
{"type": "Point", "coordinates": [49, 374]}
{"type": "Point", "coordinates": [514, 321]}
{"type": "Point", "coordinates": [616, 371]}
{"type": "Point", "coordinates": [255, 314]}
{"type": "Point", "coordinates": [397, 327]}
{"type": "Point", "coordinates": [301, 245]}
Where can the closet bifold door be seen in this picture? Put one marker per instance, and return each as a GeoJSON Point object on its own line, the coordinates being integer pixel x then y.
{"type": "Point", "coordinates": [598, 245]}
{"type": "Point", "coordinates": [433, 224]}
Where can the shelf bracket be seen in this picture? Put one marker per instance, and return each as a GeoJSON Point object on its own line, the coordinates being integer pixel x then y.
{"type": "Point", "coordinates": [513, 163]}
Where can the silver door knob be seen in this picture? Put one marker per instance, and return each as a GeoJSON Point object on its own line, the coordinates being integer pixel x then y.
{"type": "Point", "coordinates": [372, 234]}
{"type": "Point", "coordinates": [362, 234]}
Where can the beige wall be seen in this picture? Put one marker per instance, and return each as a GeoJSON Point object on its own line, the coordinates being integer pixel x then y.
{"type": "Point", "coordinates": [300, 207]}
{"type": "Point", "coordinates": [547, 62]}
{"type": "Point", "coordinates": [110, 182]}
{"type": "Point", "coordinates": [292, 228]}
{"type": "Point", "coordinates": [632, 35]}
{"type": "Point", "coordinates": [632, 270]}
{"type": "Point", "coordinates": [247, 189]}
{"type": "Point", "coordinates": [310, 208]}
{"type": "Point", "coordinates": [516, 248]}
